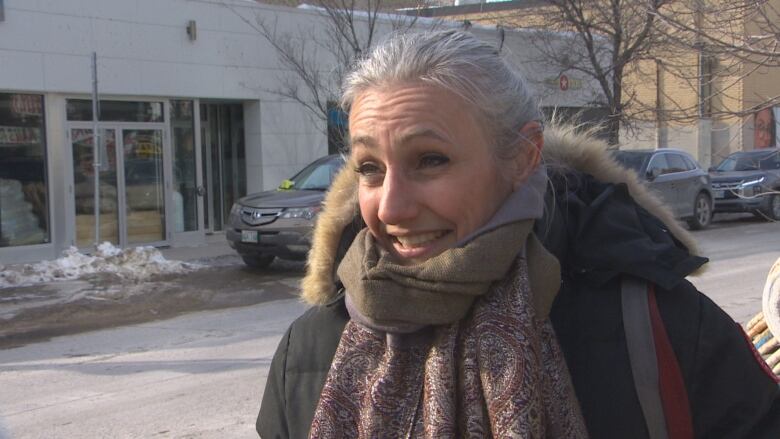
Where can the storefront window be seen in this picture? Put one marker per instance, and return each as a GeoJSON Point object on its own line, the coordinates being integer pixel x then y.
{"type": "Point", "coordinates": [24, 213]}
{"type": "Point", "coordinates": [185, 194]}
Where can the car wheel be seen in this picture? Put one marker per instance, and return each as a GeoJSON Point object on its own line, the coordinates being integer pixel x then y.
{"type": "Point", "coordinates": [258, 261]}
{"type": "Point", "coordinates": [773, 210]}
{"type": "Point", "coordinates": [702, 212]}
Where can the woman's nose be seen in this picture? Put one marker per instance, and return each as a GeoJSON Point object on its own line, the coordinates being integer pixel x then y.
{"type": "Point", "coordinates": [398, 202]}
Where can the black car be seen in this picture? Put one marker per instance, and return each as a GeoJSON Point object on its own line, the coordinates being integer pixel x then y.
{"type": "Point", "coordinates": [279, 222]}
{"type": "Point", "coordinates": [677, 178]}
{"type": "Point", "coordinates": [748, 181]}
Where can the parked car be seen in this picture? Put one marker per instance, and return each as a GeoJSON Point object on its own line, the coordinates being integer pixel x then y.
{"type": "Point", "coordinates": [677, 178]}
{"type": "Point", "coordinates": [278, 223]}
{"type": "Point", "coordinates": [748, 182]}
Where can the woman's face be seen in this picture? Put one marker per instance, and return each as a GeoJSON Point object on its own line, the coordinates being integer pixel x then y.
{"type": "Point", "coordinates": [428, 177]}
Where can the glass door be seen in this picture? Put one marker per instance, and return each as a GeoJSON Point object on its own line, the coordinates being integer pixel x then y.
{"type": "Point", "coordinates": [223, 160]}
{"type": "Point", "coordinates": [84, 186]}
{"type": "Point", "coordinates": [187, 189]}
{"type": "Point", "coordinates": [144, 187]}
{"type": "Point", "coordinates": [132, 186]}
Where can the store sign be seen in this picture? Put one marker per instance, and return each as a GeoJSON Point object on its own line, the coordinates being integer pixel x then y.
{"type": "Point", "coordinates": [26, 105]}
{"type": "Point", "coordinates": [564, 82]}
{"type": "Point", "coordinates": [13, 136]}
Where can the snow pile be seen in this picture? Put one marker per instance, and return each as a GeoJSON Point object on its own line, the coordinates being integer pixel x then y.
{"type": "Point", "coordinates": [136, 264]}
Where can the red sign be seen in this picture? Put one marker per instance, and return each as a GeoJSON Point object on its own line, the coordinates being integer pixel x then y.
{"type": "Point", "coordinates": [563, 82]}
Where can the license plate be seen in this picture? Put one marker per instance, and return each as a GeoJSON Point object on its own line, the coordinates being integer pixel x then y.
{"type": "Point", "coordinates": [719, 194]}
{"type": "Point", "coordinates": [249, 236]}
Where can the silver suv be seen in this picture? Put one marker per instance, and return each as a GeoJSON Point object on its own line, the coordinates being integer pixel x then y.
{"type": "Point", "coordinates": [677, 178]}
{"type": "Point", "coordinates": [748, 181]}
{"type": "Point", "coordinates": [279, 222]}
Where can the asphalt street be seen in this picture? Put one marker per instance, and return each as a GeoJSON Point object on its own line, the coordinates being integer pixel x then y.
{"type": "Point", "coordinates": [195, 376]}
{"type": "Point", "coordinates": [741, 250]}
{"type": "Point", "coordinates": [201, 375]}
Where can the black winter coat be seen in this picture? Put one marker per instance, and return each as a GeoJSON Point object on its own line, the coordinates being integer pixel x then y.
{"type": "Point", "coordinates": [599, 234]}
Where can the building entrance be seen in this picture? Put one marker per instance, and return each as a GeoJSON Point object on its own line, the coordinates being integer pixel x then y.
{"type": "Point", "coordinates": [132, 191]}
{"type": "Point", "coordinates": [132, 195]}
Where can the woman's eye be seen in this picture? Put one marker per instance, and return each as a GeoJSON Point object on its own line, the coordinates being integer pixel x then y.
{"type": "Point", "coordinates": [367, 169]}
{"type": "Point", "coordinates": [433, 160]}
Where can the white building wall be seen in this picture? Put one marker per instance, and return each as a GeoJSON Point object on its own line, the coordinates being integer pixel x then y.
{"type": "Point", "coordinates": [144, 52]}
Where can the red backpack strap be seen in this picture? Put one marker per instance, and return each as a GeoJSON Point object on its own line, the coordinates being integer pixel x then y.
{"type": "Point", "coordinates": [657, 377]}
{"type": "Point", "coordinates": [673, 392]}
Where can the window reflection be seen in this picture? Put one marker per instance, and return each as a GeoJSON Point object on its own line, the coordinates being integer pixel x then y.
{"type": "Point", "coordinates": [84, 186]}
{"type": "Point", "coordinates": [116, 111]}
{"type": "Point", "coordinates": [24, 214]}
{"type": "Point", "coordinates": [185, 195]}
{"type": "Point", "coordinates": [144, 189]}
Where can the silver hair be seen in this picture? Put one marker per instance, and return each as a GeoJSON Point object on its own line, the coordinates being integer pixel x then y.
{"type": "Point", "coordinates": [458, 62]}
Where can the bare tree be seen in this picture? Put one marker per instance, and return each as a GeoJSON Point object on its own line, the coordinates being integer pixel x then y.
{"type": "Point", "coordinates": [733, 40]}
{"type": "Point", "coordinates": [606, 40]}
{"type": "Point", "coordinates": [320, 57]}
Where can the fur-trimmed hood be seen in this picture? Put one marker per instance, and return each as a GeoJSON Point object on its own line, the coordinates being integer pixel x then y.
{"type": "Point", "coordinates": [563, 147]}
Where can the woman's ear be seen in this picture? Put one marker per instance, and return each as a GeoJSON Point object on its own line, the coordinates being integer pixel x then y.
{"type": "Point", "coordinates": [530, 154]}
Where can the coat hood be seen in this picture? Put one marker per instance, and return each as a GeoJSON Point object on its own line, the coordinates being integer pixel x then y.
{"type": "Point", "coordinates": [564, 149]}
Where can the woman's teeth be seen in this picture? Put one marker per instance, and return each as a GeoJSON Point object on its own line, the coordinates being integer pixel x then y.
{"type": "Point", "coordinates": [420, 239]}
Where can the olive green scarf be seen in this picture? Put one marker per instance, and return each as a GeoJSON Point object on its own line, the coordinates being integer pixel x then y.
{"type": "Point", "coordinates": [399, 298]}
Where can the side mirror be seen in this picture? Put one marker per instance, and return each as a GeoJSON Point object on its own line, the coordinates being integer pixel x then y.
{"type": "Point", "coordinates": [711, 169]}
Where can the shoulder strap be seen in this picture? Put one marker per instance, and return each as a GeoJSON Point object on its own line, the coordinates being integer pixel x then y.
{"type": "Point", "coordinates": [657, 376]}
{"type": "Point", "coordinates": [679, 422]}
{"type": "Point", "coordinates": [642, 355]}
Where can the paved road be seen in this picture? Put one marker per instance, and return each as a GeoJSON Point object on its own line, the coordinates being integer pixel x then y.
{"type": "Point", "coordinates": [196, 376]}
{"type": "Point", "coordinates": [741, 251]}
{"type": "Point", "coordinates": [202, 375]}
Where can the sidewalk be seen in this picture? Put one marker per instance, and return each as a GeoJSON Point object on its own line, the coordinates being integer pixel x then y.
{"type": "Point", "coordinates": [103, 299]}
{"type": "Point", "coordinates": [216, 246]}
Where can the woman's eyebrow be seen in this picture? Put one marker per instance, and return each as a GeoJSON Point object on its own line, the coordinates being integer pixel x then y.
{"type": "Point", "coordinates": [423, 132]}
{"type": "Point", "coordinates": [365, 141]}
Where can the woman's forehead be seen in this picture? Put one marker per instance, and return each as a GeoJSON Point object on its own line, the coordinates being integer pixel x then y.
{"type": "Point", "coordinates": [411, 110]}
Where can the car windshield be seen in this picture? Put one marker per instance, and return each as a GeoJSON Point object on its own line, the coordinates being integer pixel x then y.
{"type": "Point", "coordinates": [632, 160]}
{"type": "Point", "coordinates": [750, 162]}
{"type": "Point", "coordinates": [317, 176]}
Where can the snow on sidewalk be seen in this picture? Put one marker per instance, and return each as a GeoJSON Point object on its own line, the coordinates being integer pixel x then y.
{"type": "Point", "coordinates": [139, 263]}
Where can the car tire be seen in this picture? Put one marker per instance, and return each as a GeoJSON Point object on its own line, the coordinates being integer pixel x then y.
{"type": "Point", "coordinates": [262, 261]}
{"type": "Point", "coordinates": [702, 212]}
{"type": "Point", "coordinates": [772, 212]}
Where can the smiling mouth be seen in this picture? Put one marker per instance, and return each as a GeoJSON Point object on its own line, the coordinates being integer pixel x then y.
{"type": "Point", "coordinates": [419, 240]}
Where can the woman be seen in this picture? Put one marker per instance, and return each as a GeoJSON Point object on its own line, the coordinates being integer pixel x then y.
{"type": "Point", "coordinates": [483, 294]}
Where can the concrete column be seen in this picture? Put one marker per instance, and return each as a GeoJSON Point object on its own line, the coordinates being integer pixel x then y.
{"type": "Point", "coordinates": [254, 152]}
{"type": "Point", "coordinates": [704, 142]}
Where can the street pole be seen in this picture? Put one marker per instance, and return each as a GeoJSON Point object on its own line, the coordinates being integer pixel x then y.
{"type": "Point", "coordinates": [95, 147]}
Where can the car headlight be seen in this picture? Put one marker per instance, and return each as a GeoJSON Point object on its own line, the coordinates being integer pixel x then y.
{"type": "Point", "coordinates": [301, 212]}
{"type": "Point", "coordinates": [236, 209]}
{"type": "Point", "coordinates": [753, 182]}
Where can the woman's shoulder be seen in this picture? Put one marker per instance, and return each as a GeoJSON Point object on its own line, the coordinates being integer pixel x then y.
{"type": "Point", "coordinates": [329, 317]}
{"type": "Point", "coordinates": [314, 336]}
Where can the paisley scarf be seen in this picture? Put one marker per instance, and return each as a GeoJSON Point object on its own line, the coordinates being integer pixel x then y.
{"type": "Point", "coordinates": [452, 347]}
